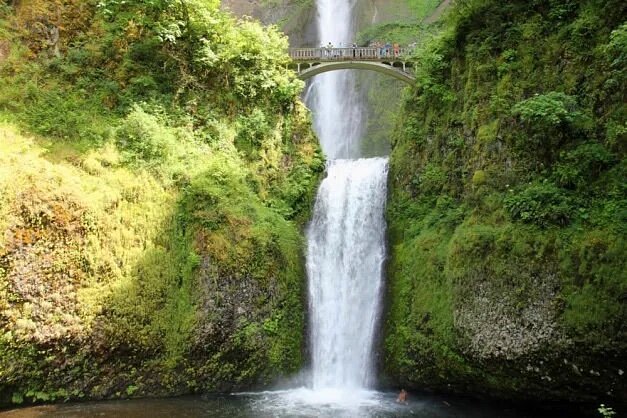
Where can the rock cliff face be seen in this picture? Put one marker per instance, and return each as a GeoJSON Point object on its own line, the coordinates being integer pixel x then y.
{"type": "Point", "coordinates": [506, 213]}
{"type": "Point", "coordinates": [295, 17]}
{"type": "Point", "coordinates": [298, 17]}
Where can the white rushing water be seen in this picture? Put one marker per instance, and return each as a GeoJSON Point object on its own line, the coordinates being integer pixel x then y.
{"type": "Point", "coordinates": [334, 96]}
{"type": "Point", "coordinates": [345, 250]}
{"type": "Point", "coordinates": [344, 265]}
{"type": "Point", "coordinates": [346, 235]}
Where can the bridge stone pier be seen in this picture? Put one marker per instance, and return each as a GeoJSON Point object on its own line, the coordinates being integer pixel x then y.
{"type": "Point", "coordinates": [309, 62]}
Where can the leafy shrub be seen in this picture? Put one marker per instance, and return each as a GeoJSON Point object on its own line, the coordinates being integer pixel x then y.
{"type": "Point", "coordinates": [432, 179]}
{"type": "Point", "coordinates": [5, 9]}
{"type": "Point", "coordinates": [616, 132]}
{"type": "Point", "coordinates": [561, 10]}
{"type": "Point", "coordinates": [64, 116]}
{"type": "Point", "coordinates": [414, 129]}
{"type": "Point", "coordinates": [616, 49]}
{"type": "Point", "coordinates": [582, 165]}
{"type": "Point", "coordinates": [143, 137]}
{"type": "Point", "coordinates": [606, 411]}
{"type": "Point", "coordinates": [431, 71]}
{"type": "Point", "coordinates": [252, 130]}
{"type": "Point", "coordinates": [548, 120]}
{"type": "Point", "coordinates": [547, 111]}
{"type": "Point", "coordinates": [542, 204]}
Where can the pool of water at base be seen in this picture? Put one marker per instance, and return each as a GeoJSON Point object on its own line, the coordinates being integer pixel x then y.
{"type": "Point", "coordinates": [295, 403]}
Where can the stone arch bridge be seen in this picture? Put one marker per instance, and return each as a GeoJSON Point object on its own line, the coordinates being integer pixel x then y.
{"type": "Point", "coordinates": [309, 62]}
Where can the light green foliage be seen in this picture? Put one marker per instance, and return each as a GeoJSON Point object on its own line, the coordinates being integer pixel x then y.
{"type": "Point", "coordinates": [17, 398]}
{"type": "Point", "coordinates": [143, 137]}
{"type": "Point", "coordinates": [430, 71]}
{"type": "Point", "coordinates": [540, 203]}
{"type": "Point", "coordinates": [252, 130]}
{"type": "Point", "coordinates": [432, 180]}
{"type": "Point", "coordinates": [403, 33]}
{"type": "Point", "coordinates": [422, 8]}
{"type": "Point", "coordinates": [406, 26]}
{"type": "Point", "coordinates": [547, 111]}
{"type": "Point", "coordinates": [508, 203]}
{"type": "Point", "coordinates": [616, 50]}
{"type": "Point", "coordinates": [161, 208]}
{"type": "Point", "coordinates": [131, 390]}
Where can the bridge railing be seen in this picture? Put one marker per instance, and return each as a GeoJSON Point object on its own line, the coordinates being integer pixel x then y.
{"type": "Point", "coordinates": [348, 54]}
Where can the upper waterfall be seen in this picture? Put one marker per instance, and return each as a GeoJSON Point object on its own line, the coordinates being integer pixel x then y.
{"type": "Point", "coordinates": [334, 97]}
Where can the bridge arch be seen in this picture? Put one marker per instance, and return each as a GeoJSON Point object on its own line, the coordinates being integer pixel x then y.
{"type": "Point", "coordinates": [380, 67]}
{"type": "Point", "coordinates": [310, 62]}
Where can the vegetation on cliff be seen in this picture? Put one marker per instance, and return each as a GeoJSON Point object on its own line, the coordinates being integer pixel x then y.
{"type": "Point", "coordinates": [297, 18]}
{"type": "Point", "coordinates": [508, 205]}
{"type": "Point", "coordinates": [156, 167]}
{"type": "Point", "coordinates": [405, 29]}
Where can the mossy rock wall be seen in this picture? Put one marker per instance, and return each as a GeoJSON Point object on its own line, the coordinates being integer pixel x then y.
{"type": "Point", "coordinates": [151, 213]}
{"type": "Point", "coordinates": [507, 276]}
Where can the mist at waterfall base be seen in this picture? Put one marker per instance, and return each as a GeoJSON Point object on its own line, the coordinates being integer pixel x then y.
{"type": "Point", "coordinates": [278, 404]}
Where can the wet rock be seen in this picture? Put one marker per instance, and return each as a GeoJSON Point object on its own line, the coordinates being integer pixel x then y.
{"type": "Point", "coordinates": [497, 327]}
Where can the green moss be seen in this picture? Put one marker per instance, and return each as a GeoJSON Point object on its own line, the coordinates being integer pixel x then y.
{"type": "Point", "coordinates": [488, 133]}
{"type": "Point", "coordinates": [479, 178]}
{"type": "Point", "coordinates": [501, 169]}
{"type": "Point", "coordinates": [161, 208]}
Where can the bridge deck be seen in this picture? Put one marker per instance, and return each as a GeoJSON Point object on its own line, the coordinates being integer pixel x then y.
{"type": "Point", "coordinates": [348, 54]}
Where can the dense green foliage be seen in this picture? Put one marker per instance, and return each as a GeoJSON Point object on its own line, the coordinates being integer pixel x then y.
{"type": "Point", "coordinates": [150, 233]}
{"type": "Point", "coordinates": [508, 204]}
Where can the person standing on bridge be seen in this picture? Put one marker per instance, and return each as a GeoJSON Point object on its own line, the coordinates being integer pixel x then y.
{"type": "Point", "coordinates": [397, 49]}
{"type": "Point", "coordinates": [354, 50]}
{"type": "Point", "coordinates": [329, 50]}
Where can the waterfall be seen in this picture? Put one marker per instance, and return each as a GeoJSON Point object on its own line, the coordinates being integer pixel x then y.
{"type": "Point", "coordinates": [335, 99]}
{"type": "Point", "coordinates": [345, 257]}
{"type": "Point", "coordinates": [346, 235]}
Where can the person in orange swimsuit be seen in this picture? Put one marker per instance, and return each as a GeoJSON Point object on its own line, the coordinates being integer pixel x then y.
{"type": "Point", "coordinates": [402, 397]}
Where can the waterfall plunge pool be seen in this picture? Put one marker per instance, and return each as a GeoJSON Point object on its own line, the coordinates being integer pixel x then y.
{"type": "Point", "coordinates": [297, 403]}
